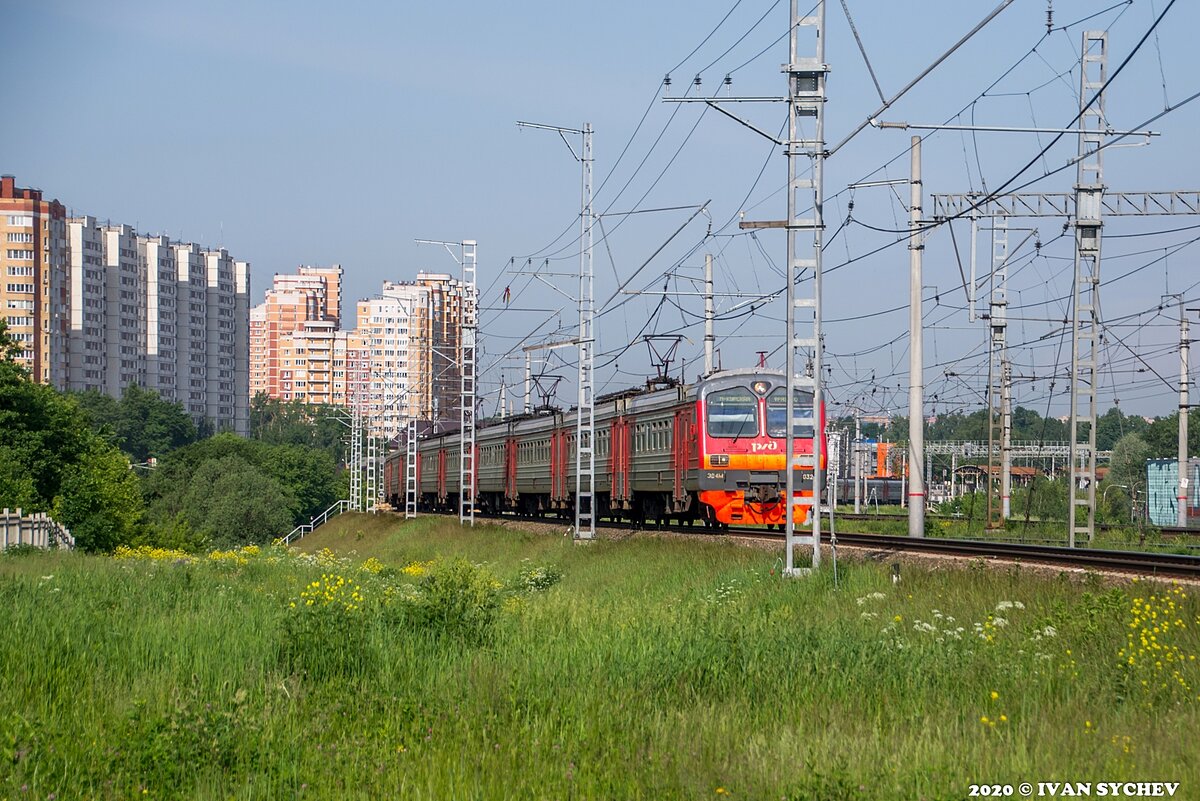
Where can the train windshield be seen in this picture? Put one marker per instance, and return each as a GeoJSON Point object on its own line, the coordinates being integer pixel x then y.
{"type": "Point", "coordinates": [802, 414]}
{"type": "Point", "coordinates": [732, 413]}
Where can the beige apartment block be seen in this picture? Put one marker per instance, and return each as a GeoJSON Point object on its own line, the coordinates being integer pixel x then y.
{"type": "Point", "coordinates": [312, 295]}
{"type": "Point", "coordinates": [410, 333]}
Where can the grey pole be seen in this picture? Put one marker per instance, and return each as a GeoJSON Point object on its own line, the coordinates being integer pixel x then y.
{"type": "Point", "coordinates": [528, 382]}
{"type": "Point", "coordinates": [709, 338]}
{"type": "Point", "coordinates": [974, 246]}
{"type": "Point", "coordinates": [916, 368]}
{"type": "Point", "coordinates": [1005, 437]}
{"type": "Point", "coordinates": [857, 462]}
{"type": "Point", "coordinates": [1182, 508]}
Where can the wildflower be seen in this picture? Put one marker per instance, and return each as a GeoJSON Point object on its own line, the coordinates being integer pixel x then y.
{"type": "Point", "coordinates": [722, 791]}
{"type": "Point", "coordinates": [1004, 718]}
{"type": "Point", "coordinates": [898, 618]}
{"type": "Point", "coordinates": [995, 695]}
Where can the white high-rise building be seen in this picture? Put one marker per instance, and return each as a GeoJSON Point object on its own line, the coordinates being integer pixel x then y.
{"type": "Point", "coordinates": [164, 315]}
{"type": "Point", "coordinates": [158, 255]}
{"type": "Point", "coordinates": [191, 345]}
{"type": "Point", "coordinates": [86, 353]}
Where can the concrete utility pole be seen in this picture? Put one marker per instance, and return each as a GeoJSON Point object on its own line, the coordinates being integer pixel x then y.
{"type": "Point", "coordinates": [709, 338]}
{"type": "Point", "coordinates": [916, 364]}
{"type": "Point", "coordinates": [1182, 499]}
{"type": "Point", "coordinates": [1005, 438]}
{"type": "Point", "coordinates": [857, 462]}
{"type": "Point", "coordinates": [997, 361]}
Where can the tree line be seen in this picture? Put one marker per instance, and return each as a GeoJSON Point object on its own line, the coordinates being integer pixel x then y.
{"type": "Point", "coordinates": [136, 469]}
{"type": "Point", "coordinates": [1160, 434]}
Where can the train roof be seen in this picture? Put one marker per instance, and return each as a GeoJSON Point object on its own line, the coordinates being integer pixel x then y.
{"type": "Point", "coordinates": [638, 399]}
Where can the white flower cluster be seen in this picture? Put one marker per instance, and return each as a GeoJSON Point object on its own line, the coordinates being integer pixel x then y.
{"type": "Point", "coordinates": [1045, 633]}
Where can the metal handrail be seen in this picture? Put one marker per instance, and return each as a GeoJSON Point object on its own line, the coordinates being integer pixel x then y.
{"type": "Point", "coordinates": [307, 528]}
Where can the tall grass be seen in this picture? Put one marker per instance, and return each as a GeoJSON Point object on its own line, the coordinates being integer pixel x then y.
{"type": "Point", "coordinates": [654, 669]}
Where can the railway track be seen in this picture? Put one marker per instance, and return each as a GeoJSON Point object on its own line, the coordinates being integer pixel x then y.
{"type": "Point", "coordinates": [1142, 563]}
{"type": "Point", "coordinates": [1134, 562]}
{"type": "Point", "coordinates": [1170, 531]}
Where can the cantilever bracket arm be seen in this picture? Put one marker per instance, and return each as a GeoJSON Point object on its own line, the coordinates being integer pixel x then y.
{"type": "Point", "coordinates": [746, 123]}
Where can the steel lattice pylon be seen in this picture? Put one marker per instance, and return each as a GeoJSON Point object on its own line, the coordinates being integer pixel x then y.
{"type": "Point", "coordinates": [466, 440]}
{"type": "Point", "coordinates": [1085, 328]}
{"type": "Point", "coordinates": [585, 423]}
{"type": "Point", "coordinates": [410, 470]}
{"type": "Point", "coordinates": [806, 103]}
{"type": "Point", "coordinates": [371, 465]}
{"type": "Point", "coordinates": [356, 387]}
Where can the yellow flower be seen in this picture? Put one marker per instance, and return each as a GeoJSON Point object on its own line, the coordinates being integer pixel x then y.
{"type": "Point", "coordinates": [897, 618]}
{"type": "Point", "coordinates": [995, 695]}
{"type": "Point", "coordinates": [722, 791]}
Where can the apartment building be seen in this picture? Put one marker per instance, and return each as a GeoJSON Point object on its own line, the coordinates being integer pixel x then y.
{"type": "Point", "coordinates": [407, 337]}
{"type": "Point", "coordinates": [410, 335]}
{"type": "Point", "coordinates": [311, 295]}
{"type": "Point", "coordinates": [191, 342]}
{"type": "Point", "coordinates": [33, 292]}
{"type": "Point", "coordinates": [168, 316]}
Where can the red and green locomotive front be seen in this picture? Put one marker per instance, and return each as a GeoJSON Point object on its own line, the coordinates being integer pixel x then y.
{"type": "Point", "coordinates": [743, 448]}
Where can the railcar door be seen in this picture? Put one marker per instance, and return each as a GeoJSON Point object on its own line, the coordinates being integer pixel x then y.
{"type": "Point", "coordinates": [684, 452]}
{"type": "Point", "coordinates": [620, 455]}
{"type": "Point", "coordinates": [441, 475]}
{"type": "Point", "coordinates": [558, 466]}
{"type": "Point", "coordinates": [510, 470]}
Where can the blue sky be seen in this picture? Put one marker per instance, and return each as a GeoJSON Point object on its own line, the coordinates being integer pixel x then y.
{"type": "Point", "coordinates": [316, 133]}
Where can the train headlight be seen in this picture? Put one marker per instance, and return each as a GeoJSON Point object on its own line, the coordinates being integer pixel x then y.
{"type": "Point", "coordinates": [719, 460]}
{"type": "Point", "coordinates": [760, 387]}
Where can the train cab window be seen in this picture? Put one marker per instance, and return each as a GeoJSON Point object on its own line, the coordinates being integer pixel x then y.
{"type": "Point", "coordinates": [802, 414]}
{"type": "Point", "coordinates": [732, 413]}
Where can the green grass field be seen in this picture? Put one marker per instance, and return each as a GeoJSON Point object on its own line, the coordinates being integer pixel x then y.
{"type": "Point", "coordinates": [493, 663]}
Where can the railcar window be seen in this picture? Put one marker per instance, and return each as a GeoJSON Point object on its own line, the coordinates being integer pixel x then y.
{"type": "Point", "coordinates": [802, 414]}
{"type": "Point", "coordinates": [732, 413]}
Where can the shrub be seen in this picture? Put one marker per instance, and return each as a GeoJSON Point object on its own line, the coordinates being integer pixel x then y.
{"type": "Point", "coordinates": [456, 598]}
{"type": "Point", "coordinates": [325, 630]}
{"type": "Point", "coordinates": [538, 578]}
